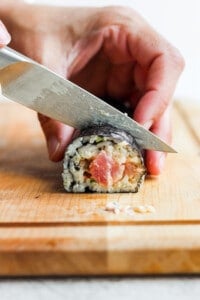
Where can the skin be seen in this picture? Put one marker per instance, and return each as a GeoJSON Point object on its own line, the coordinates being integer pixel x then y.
{"type": "Point", "coordinates": [112, 52]}
{"type": "Point", "coordinates": [4, 35]}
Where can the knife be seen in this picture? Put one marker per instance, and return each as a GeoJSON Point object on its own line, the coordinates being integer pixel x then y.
{"type": "Point", "coordinates": [33, 85]}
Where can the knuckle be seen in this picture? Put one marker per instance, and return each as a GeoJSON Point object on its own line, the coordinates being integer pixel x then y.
{"type": "Point", "coordinates": [115, 15]}
{"type": "Point", "coordinates": [118, 9]}
{"type": "Point", "coordinates": [177, 59]}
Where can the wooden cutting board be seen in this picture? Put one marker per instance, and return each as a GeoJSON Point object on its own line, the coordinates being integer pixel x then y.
{"type": "Point", "coordinates": [45, 231]}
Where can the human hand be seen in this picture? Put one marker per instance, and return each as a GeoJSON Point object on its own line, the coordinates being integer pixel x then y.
{"type": "Point", "coordinates": [112, 52]}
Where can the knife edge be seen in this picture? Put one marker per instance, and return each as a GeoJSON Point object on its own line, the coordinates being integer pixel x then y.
{"type": "Point", "coordinates": [20, 83]}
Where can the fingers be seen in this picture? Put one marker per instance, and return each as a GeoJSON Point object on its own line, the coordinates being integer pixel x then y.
{"type": "Point", "coordinates": [163, 64]}
{"type": "Point", "coordinates": [57, 136]}
{"type": "Point", "coordinates": [155, 160]}
{"type": "Point", "coordinates": [4, 35]}
{"type": "Point", "coordinates": [160, 84]}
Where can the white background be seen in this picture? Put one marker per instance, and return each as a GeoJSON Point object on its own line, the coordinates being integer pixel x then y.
{"type": "Point", "coordinates": [178, 21]}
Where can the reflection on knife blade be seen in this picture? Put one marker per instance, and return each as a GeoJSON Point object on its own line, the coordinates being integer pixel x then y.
{"type": "Point", "coordinates": [42, 90]}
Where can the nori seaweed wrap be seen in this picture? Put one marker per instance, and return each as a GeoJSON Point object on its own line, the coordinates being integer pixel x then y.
{"type": "Point", "coordinates": [103, 159]}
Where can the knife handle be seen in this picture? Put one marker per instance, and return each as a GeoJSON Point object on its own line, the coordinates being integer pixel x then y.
{"type": "Point", "coordinates": [9, 56]}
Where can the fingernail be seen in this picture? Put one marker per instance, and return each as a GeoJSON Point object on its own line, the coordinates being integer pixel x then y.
{"type": "Point", "coordinates": [147, 125]}
{"type": "Point", "coordinates": [53, 146]}
{"type": "Point", "coordinates": [4, 35]}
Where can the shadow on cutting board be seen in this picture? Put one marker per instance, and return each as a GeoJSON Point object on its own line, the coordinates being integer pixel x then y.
{"type": "Point", "coordinates": [28, 165]}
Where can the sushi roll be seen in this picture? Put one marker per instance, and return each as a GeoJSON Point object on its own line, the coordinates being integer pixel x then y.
{"type": "Point", "coordinates": [103, 159]}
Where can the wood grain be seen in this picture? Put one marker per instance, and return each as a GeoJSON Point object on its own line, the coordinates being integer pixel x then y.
{"type": "Point", "coordinates": [45, 231]}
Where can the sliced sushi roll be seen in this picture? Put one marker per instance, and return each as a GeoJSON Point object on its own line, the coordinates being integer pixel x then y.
{"type": "Point", "coordinates": [103, 159]}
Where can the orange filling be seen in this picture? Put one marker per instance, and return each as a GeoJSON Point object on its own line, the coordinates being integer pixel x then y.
{"type": "Point", "coordinates": [105, 170]}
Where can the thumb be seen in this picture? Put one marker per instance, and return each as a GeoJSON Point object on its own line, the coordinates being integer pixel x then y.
{"type": "Point", "coordinates": [4, 35]}
{"type": "Point", "coordinates": [57, 136]}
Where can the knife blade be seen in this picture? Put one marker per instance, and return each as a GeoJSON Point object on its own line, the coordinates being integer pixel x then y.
{"type": "Point", "coordinates": [24, 81]}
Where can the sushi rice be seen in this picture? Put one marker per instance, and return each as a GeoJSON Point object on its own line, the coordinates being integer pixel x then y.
{"type": "Point", "coordinates": [103, 159]}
